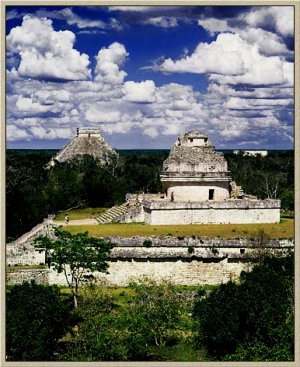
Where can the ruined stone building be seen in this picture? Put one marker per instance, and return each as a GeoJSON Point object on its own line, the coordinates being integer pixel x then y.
{"type": "Point", "coordinates": [88, 141]}
{"type": "Point", "coordinates": [199, 190]}
{"type": "Point", "coordinates": [194, 171]}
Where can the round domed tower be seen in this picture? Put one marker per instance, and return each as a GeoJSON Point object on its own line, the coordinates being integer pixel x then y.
{"type": "Point", "coordinates": [194, 171]}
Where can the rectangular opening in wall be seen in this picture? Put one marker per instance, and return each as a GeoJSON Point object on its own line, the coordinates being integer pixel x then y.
{"type": "Point", "coordinates": [211, 194]}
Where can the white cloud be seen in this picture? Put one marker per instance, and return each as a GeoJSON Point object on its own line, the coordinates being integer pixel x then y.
{"type": "Point", "coordinates": [222, 56]}
{"type": "Point", "coordinates": [115, 24]}
{"type": "Point", "coordinates": [108, 65]}
{"type": "Point", "coordinates": [143, 92]}
{"type": "Point", "coordinates": [137, 9]}
{"type": "Point", "coordinates": [14, 133]}
{"type": "Point", "coordinates": [164, 22]}
{"type": "Point", "coordinates": [27, 105]}
{"type": "Point", "coordinates": [268, 43]}
{"type": "Point", "coordinates": [12, 14]}
{"type": "Point", "coordinates": [40, 132]}
{"type": "Point", "coordinates": [213, 25]}
{"type": "Point", "coordinates": [46, 53]}
{"type": "Point", "coordinates": [255, 104]}
{"type": "Point", "coordinates": [151, 131]}
{"type": "Point", "coordinates": [224, 112]}
{"type": "Point", "coordinates": [225, 91]}
{"type": "Point", "coordinates": [282, 17]}
{"type": "Point", "coordinates": [51, 96]}
{"type": "Point", "coordinates": [74, 19]}
{"type": "Point", "coordinates": [96, 114]}
{"type": "Point", "coordinates": [117, 128]}
{"type": "Point", "coordinates": [232, 60]}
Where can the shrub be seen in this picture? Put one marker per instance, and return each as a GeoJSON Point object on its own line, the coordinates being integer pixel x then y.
{"type": "Point", "coordinates": [147, 242]}
{"type": "Point", "coordinates": [36, 317]}
{"type": "Point", "coordinates": [252, 320]}
{"type": "Point", "coordinates": [191, 250]}
{"type": "Point", "coordinates": [214, 250]}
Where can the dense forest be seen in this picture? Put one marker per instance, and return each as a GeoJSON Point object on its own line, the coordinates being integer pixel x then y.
{"type": "Point", "coordinates": [33, 192]}
{"type": "Point", "coordinates": [252, 320]}
{"type": "Point", "coordinates": [248, 320]}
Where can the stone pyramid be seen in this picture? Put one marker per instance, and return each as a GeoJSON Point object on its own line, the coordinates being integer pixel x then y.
{"type": "Point", "coordinates": [88, 141]}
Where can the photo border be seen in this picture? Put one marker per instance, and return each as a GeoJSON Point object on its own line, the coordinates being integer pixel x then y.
{"type": "Point", "coordinates": [296, 5]}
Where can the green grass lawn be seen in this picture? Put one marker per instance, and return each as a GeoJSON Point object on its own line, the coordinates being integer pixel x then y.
{"type": "Point", "coordinates": [24, 267]}
{"type": "Point", "coordinates": [284, 229]}
{"type": "Point", "coordinates": [84, 213]}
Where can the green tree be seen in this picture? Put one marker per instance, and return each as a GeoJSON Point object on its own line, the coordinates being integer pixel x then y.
{"type": "Point", "coordinates": [36, 317]}
{"type": "Point", "coordinates": [110, 331]}
{"type": "Point", "coordinates": [76, 256]}
{"type": "Point", "coordinates": [158, 309]}
{"type": "Point", "coordinates": [106, 332]}
{"type": "Point", "coordinates": [253, 319]}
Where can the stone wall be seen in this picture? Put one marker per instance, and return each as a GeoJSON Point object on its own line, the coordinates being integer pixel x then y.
{"type": "Point", "coordinates": [185, 190]}
{"type": "Point", "coordinates": [198, 242]}
{"type": "Point", "coordinates": [213, 212]}
{"type": "Point", "coordinates": [122, 272]}
{"type": "Point", "coordinates": [190, 261]}
{"type": "Point", "coordinates": [22, 252]}
{"type": "Point", "coordinates": [41, 276]}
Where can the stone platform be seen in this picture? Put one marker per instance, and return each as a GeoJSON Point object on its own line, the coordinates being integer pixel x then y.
{"type": "Point", "coordinates": [231, 211]}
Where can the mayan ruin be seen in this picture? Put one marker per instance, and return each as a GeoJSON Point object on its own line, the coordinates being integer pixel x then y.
{"type": "Point", "coordinates": [198, 190]}
{"type": "Point", "coordinates": [88, 141]}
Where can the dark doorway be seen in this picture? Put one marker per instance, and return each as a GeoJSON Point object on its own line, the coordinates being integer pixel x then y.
{"type": "Point", "coordinates": [211, 194]}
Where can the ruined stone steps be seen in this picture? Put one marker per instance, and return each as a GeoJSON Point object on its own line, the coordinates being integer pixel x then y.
{"type": "Point", "coordinates": [112, 214]}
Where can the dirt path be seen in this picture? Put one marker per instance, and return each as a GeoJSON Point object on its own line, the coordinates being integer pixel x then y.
{"type": "Point", "coordinates": [76, 222]}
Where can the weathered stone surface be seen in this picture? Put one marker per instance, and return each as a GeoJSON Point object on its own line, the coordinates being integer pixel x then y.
{"type": "Point", "coordinates": [194, 153]}
{"type": "Point", "coordinates": [88, 141]}
{"type": "Point", "coordinates": [197, 190]}
{"type": "Point", "coordinates": [188, 260]}
{"type": "Point", "coordinates": [201, 242]}
{"type": "Point", "coordinates": [212, 212]}
{"type": "Point", "coordinates": [193, 168]}
{"type": "Point", "coordinates": [22, 251]}
{"type": "Point", "coordinates": [194, 272]}
{"type": "Point", "coordinates": [41, 276]}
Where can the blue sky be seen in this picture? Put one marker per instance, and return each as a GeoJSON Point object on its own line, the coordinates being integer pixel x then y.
{"type": "Point", "coordinates": [146, 74]}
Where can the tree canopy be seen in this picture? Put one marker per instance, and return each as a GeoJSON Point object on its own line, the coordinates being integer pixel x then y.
{"type": "Point", "coordinates": [253, 319]}
{"type": "Point", "coordinates": [76, 256]}
{"type": "Point", "coordinates": [36, 317]}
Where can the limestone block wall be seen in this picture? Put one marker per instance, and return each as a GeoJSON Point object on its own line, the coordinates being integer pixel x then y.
{"type": "Point", "coordinates": [21, 255]}
{"type": "Point", "coordinates": [213, 212]}
{"type": "Point", "coordinates": [190, 191]}
{"type": "Point", "coordinates": [194, 272]}
{"type": "Point", "coordinates": [22, 251]}
{"type": "Point", "coordinates": [189, 260]}
{"type": "Point", "coordinates": [212, 261]}
{"type": "Point", "coordinates": [134, 214]}
{"type": "Point", "coordinates": [41, 276]}
{"type": "Point", "coordinates": [216, 164]}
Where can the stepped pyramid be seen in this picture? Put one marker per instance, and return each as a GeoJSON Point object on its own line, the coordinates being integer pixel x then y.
{"type": "Point", "coordinates": [88, 141]}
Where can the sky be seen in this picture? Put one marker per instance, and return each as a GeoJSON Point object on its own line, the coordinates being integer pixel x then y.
{"type": "Point", "coordinates": [145, 74]}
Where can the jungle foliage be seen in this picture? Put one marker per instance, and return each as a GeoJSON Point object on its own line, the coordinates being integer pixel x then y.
{"type": "Point", "coordinates": [33, 192]}
{"type": "Point", "coordinates": [249, 320]}
{"type": "Point", "coordinates": [75, 255]}
{"type": "Point", "coordinates": [37, 316]}
{"type": "Point", "coordinates": [252, 320]}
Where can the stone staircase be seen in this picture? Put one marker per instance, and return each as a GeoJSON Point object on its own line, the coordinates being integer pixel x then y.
{"type": "Point", "coordinates": [112, 214]}
{"type": "Point", "coordinates": [236, 191]}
